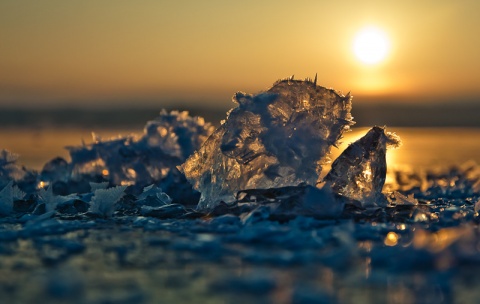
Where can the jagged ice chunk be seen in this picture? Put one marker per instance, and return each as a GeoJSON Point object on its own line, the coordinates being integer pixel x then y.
{"type": "Point", "coordinates": [277, 138]}
{"type": "Point", "coordinates": [359, 172]}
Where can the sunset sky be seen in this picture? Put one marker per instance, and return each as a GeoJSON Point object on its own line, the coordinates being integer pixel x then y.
{"type": "Point", "coordinates": [57, 52]}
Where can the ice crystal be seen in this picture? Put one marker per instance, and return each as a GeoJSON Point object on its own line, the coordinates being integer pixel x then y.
{"type": "Point", "coordinates": [477, 206]}
{"type": "Point", "coordinates": [359, 172]}
{"type": "Point", "coordinates": [7, 157]}
{"type": "Point", "coordinates": [401, 199]}
{"type": "Point", "coordinates": [6, 199]}
{"type": "Point", "coordinates": [104, 200]}
{"type": "Point", "coordinates": [17, 194]}
{"type": "Point", "coordinates": [9, 170]}
{"type": "Point", "coordinates": [277, 138]}
{"type": "Point", "coordinates": [51, 200]}
{"type": "Point", "coordinates": [153, 196]}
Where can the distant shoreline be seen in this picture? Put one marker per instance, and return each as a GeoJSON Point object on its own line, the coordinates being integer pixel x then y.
{"type": "Point", "coordinates": [401, 115]}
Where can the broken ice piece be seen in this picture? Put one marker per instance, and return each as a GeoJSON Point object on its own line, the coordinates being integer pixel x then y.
{"type": "Point", "coordinates": [477, 206]}
{"type": "Point", "coordinates": [51, 200]}
{"type": "Point", "coordinates": [359, 172]}
{"type": "Point", "coordinates": [277, 138]}
{"type": "Point", "coordinates": [320, 203]}
{"type": "Point", "coordinates": [6, 199]}
{"type": "Point", "coordinates": [104, 200]}
{"type": "Point", "coordinates": [9, 170]}
{"type": "Point", "coordinates": [167, 141]}
{"type": "Point", "coordinates": [164, 212]}
{"type": "Point", "coordinates": [153, 196]}
{"type": "Point", "coordinates": [303, 200]}
{"type": "Point", "coordinates": [401, 199]}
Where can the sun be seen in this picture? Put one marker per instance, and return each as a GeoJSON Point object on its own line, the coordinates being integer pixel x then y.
{"type": "Point", "coordinates": [371, 45]}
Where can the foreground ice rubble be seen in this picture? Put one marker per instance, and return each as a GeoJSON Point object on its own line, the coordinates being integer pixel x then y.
{"type": "Point", "coordinates": [277, 138]}
{"type": "Point", "coordinates": [268, 154]}
{"type": "Point", "coordinates": [136, 161]}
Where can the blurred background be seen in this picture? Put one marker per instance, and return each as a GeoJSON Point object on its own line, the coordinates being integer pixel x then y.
{"type": "Point", "coordinates": [68, 68]}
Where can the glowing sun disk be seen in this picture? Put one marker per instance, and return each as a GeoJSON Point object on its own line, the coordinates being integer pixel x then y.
{"type": "Point", "coordinates": [371, 45]}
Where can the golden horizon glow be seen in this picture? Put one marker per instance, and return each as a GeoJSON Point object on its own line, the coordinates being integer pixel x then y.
{"type": "Point", "coordinates": [371, 45]}
{"type": "Point", "coordinates": [92, 52]}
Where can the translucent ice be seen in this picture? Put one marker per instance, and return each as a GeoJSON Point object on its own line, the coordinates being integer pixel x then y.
{"type": "Point", "coordinates": [167, 141]}
{"type": "Point", "coordinates": [104, 200]}
{"type": "Point", "coordinates": [277, 138]}
{"type": "Point", "coordinates": [150, 158]}
{"type": "Point", "coordinates": [153, 196]}
{"type": "Point", "coordinates": [51, 200]}
{"type": "Point", "coordinates": [6, 199]}
{"type": "Point", "coordinates": [401, 199]}
{"type": "Point", "coordinates": [9, 170]}
{"type": "Point", "coordinates": [359, 172]}
{"type": "Point", "coordinates": [95, 186]}
{"type": "Point", "coordinates": [7, 164]}
{"type": "Point", "coordinates": [477, 206]}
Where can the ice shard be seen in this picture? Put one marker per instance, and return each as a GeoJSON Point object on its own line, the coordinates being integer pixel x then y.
{"type": "Point", "coordinates": [9, 170]}
{"type": "Point", "coordinates": [104, 200]}
{"type": "Point", "coordinates": [277, 138]}
{"type": "Point", "coordinates": [359, 172]}
{"type": "Point", "coordinates": [6, 200]}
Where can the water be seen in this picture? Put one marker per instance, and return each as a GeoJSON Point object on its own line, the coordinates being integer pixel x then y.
{"type": "Point", "coordinates": [422, 147]}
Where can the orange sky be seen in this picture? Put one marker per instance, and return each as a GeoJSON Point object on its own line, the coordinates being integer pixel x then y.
{"type": "Point", "coordinates": [59, 52]}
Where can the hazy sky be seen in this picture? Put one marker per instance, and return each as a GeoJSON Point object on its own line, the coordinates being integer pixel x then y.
{"type": "Point", "coordinates": [95, 52]}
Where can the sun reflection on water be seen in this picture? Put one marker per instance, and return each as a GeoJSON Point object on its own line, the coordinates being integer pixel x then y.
{"type": "Point", "coordinates": [391, 239]}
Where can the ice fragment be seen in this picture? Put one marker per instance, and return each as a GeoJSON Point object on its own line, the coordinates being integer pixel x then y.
{"type": "Point", "coordinates": [359, 172]}
{"type": "Point", "coordinates": [302, 199]}
{"type": "Point", "coordinates": [153, 196]}
{"type": "Point", "coordinates": [9, 170]}
{"type": "Point", "coordinates": [167, 141]}
{"type": "Point", "coordinates": [6, 199]}
{"type": "Point", "coordinates": [477, 206]}
{"type": "Point", "coordinates": [277, 138]}
{"type": "Point", "coordinates": [51, 201]}
{"type": "Point", "coordinates": [401, 199]}
{"type": "Point", "coordinates": [104, 200]}
{"type": "Point", "coordinates": [163, 212]}
{"type": "Point", "coordinates": [17, 194]}
{"type": "Point", "coordinates": [141, 160]}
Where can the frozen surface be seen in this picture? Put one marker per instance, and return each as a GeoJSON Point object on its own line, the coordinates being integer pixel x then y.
{"type": "Point", "coordinates": [268, 246]}
{"type": "Point", "coordinates": [277, 138]}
